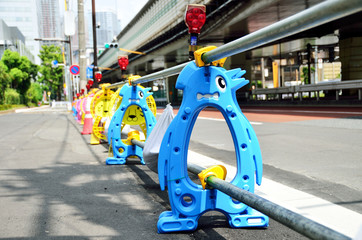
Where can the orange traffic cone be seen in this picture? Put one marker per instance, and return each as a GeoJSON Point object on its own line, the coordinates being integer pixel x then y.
{"type": "Point", "coordinates": [88, 120]}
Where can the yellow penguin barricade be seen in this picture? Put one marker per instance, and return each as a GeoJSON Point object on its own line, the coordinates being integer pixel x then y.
{"type": "Point", "coordinates": [100, 109]}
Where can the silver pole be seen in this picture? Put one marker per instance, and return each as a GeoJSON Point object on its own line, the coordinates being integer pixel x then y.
{"type": "Point", "coordinates": [138, 143]}
{"type": "Point", "coordinates": [153, 76]}
{"type": "Point", "coordinates": [312, 17]}
{"type": "Point", "coordinates": [288, 218]}
{"type": "Point", "coordinates": [161, 74]}
{"type": "Point", "coordinates": [116, 85]}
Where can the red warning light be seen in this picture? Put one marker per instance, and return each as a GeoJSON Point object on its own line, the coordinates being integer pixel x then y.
{"type": "Point", "coordinates": [123, 62]}
{"type": "Point", "coordinates": [98, 76]}
{"type": "Point", "coordinates": [195, 17]}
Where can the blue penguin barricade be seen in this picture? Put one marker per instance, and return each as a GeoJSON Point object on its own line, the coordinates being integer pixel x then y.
{"type": "Point", "coordinates": [134, 109]}
{"type": "Point", "coordinates": [236, 199]}
{"type": "Point", "coordinates": [208, 86]}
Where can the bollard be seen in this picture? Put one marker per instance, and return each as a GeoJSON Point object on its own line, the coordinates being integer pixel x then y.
{"type": "Point", "coordinates": [137, 107]}
{"type": "Point", "coordinates": [202, 87]}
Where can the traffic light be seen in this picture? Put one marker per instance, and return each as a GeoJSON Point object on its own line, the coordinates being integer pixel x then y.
{"type": "Point", "coordinates": [123, 62]}
{"type": "Point", "coordinates": [111, 45]}
{"type": "Point", "coordinates": [195, 17]}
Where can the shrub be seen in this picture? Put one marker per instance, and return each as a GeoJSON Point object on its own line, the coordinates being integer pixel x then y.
{"type": "Point", "coordinates": [5, 107]}
{"type": "Point", "coordinates": [12, 96]}
{"type": "Point", "coordinates": [34, 94]}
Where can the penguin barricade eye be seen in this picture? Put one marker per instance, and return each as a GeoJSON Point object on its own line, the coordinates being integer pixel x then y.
{"type": "Point", "coordinates": [220, 83]}
{"type": "Point", "coordinates": [140, 94]}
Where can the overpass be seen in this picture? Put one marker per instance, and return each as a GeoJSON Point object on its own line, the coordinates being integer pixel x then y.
{"type": "Point", "coordinates": [159, 31]}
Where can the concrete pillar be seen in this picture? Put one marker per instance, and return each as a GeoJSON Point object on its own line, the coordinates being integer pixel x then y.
{"type": "Point", "coordinates": [350, 53]}
{"type": "Point", "coordinates": [262, 73]}
{"type": "Point", "coordinates": [243, 61]}
{"type": "Point", "coordinates": [170, 82]}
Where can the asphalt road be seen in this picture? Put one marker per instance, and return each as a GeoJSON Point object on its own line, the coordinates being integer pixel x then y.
{"type": "Point", "coordinates": [324, 152]}
{"type": "Point", "coordinates": [55, 185]}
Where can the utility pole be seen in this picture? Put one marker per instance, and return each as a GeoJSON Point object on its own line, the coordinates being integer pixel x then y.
{"type": "Point", "coordinates": [95, 58]}
{"type": "Point", "coordinates": [81, 39]}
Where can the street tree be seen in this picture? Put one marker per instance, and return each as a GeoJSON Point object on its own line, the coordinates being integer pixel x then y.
{"type": "Point", "coordinates": [51, 76]}
{"type": "Point", "coordinates": [34, 93]}
{"type": "Point", "coordinates": [21, 71]}
{"type": "Point", "coordinates": [5, 81]}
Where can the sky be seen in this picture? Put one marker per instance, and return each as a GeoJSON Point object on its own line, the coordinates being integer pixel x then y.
{"type": "Point", "coordinates": [126, 9]}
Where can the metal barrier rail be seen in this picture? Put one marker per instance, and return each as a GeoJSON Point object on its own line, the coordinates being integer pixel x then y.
{"type": "Point", "coordinates": [153, 76]}
{"type": "Point", "coordinates": [336, 86]}
{"type": "Point", "coordinates": [312, 17]}
{"type": "Point", "coordinates": [293, 220]}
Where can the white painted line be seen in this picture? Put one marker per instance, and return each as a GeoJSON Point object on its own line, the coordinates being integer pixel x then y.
{"type": "Point", "coordinates": [324, 212]}
{"type": "Point", "coordinates": [30, 109]}
{"type": "Point", "coordinates": [298, 111]}
{"type": "Point", "coordinates": [221, 120]}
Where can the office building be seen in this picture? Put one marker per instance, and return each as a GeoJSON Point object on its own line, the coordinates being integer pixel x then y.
{"type": "Point", "coordinates": [24, 15]}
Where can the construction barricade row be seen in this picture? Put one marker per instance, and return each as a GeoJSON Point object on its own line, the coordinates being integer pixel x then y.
{"type": "Point", "coordinates": [205, 83]}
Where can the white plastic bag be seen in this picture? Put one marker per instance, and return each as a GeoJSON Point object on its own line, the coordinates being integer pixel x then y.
{"type": "Point", "coordinates": [153, 142]}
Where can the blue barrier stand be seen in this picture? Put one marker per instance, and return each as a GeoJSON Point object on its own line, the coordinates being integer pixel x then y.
{"type": "Point", "coordinates": [74, 109]}
{"type": "Point", "coordinates": [202, 87]}
{"type": "Point", "coordinates": [133, 106]}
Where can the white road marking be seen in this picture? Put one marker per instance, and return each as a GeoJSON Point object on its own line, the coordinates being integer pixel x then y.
{"type": "Point", "coordinates": [324, 212]}
{"type": "Point", "coordinates": [38, 109]}
{"type": "Point", "coordinates": [221, 120]}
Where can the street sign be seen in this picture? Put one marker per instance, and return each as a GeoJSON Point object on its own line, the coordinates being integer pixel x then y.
{"type": "Point", "coordinates": [54, 63]}
{"type": "Point", "coordinates": [69, 23]}
{"type": "Point", "coordinates": [90, 72]}
{"type": "Point", "coordinates": [74, 69]}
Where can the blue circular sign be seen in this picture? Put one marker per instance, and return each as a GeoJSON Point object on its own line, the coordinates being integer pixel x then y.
{"type": "Point", "coordinates": [74, 69]}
